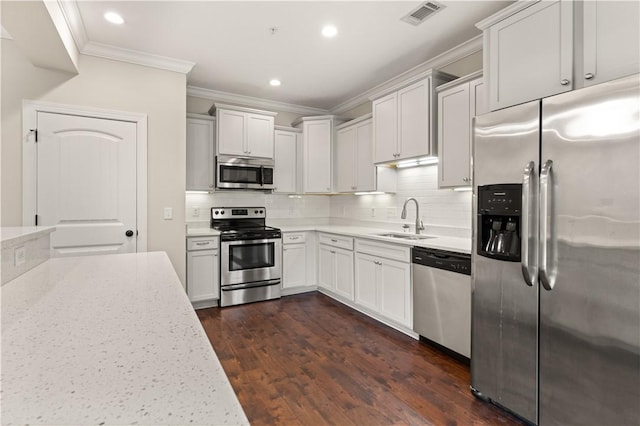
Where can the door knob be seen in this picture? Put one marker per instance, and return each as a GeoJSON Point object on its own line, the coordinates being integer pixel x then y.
{"type": "Point", "coordinates": [129, 233]}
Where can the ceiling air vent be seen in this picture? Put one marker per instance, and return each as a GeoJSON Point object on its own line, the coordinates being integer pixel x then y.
{"type": "Point", "coordinates": [422, 12]}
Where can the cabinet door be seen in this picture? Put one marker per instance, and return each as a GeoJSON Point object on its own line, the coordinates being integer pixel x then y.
{"type": "Point", "coordinates": [200, 154]}
{"type": "Point", "coordinates": [365, 171]}
{"type": "Point", "coordinates": [395, 292]}
{"type": "Point", "coordinates": [259, 135]}
{"type": "Point", "coordinates": [203, 282]}
{"type": "Point", "coordinates": [317, 156]}
{"type": "Point", "coordinates": [531, 54]}
{"type": "Point", "coordinates": [477, 93]}
{"type": "Point", "coordinates": [294, 265]}
{"type": "Point", "coordinates": [344, 273]}
{"type": "Point", "coordinates": [413, 120]}
{"type": "Point", "coordinates": [365, 281]}
{"type": "Point", "coordinates": [611, 40]}
{"type": "Point", "coordinates": [385, 128]}
{"type": "Point", "coordinates": [231, 132]}
{"type": "Point", "coordinates": [346, 160]}
{"type": "Point", "coordinates": [454, 136]}
{"type": "Point", "coordinates": [285, 156]}
{"type": "Point", "coordinates": [326, 267]}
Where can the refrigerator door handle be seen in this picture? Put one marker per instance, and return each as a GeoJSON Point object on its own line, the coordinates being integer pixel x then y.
{"type": "Point", "coordinates": [548, 264]}
{"type": "Point", "coordinates": [529, 228]}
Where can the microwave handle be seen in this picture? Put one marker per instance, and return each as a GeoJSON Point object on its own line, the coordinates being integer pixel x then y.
{"type": "Point", "coordinates": [261, 176]}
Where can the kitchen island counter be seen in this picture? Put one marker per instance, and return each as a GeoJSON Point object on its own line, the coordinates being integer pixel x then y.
{"type": "Point", "coordinates": [108, 339]}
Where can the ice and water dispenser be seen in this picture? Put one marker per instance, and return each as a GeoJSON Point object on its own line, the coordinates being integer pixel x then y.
{"type": "Point", "coordinates": [499, 208]}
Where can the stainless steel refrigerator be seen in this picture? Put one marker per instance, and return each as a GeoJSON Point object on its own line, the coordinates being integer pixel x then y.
{"type": "Point", "coordinates": [556, 257]}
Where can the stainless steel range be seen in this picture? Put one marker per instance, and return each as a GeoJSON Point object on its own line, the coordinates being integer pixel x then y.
{"type": "Point", "coordinates": [251, 260]}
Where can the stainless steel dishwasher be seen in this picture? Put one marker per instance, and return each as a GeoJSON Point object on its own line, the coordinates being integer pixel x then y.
{"type": "Point", "coordinates": [442, 298]}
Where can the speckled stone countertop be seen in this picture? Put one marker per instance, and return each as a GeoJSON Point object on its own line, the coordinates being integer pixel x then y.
{"type": "Point", "coordinates": [455, 244]}
{"type": "Point", "coordinates": [13, 235]}
{"type": "Point", "coordinates": [108, 340]}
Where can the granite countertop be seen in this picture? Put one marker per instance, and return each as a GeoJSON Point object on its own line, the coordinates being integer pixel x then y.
{"type": "Point", "coordinates": [12, 235]}
{"type": "Point", "coordinates": [455, 244]}
{"type": "Point", "coordinates": [108, 339]}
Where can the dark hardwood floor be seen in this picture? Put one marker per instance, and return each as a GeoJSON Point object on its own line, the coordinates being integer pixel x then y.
{"type": "Point", "coordinates": [309, 360]}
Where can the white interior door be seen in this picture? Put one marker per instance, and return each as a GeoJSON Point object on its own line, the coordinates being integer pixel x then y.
{"type": "Point", "coordinates": [86, 183]}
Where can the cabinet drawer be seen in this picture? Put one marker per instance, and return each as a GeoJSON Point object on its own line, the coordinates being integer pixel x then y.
{"type": "Point", "coordinates": [293, 237]}
{"type": "Point", "coordinates": [389, 251]}
{"type": "Point", "coordinates": [202, 243]}
{"type": "Point", "coordinates": [336, 241]}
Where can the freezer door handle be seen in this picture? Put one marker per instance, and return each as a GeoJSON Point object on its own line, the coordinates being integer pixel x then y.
{"type": "Point", "coordinates": [548, 252]}
{"type": "Point", "coordinates": [529, 228]}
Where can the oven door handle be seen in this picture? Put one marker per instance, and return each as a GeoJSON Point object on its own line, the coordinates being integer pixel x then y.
{"type": "Point", "coordinates": [244, 242]}
{"type": "Point", "coordinates": [250, 285]}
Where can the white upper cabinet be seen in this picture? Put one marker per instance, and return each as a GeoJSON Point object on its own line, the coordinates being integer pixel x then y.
{"type": "Point", "coordinates": [530, 54]}
{"type": "Point", "coordinates": [287, 147]}
{"type": "Point", "coordinates": [317, 151]}
{"type": "Point", "coordinates": [403, 120]}
{"type": "Point", "coordinates": [355, 170]}
{"type": "Point", "coordinates": [200, 153]}
{"type": "Point", "coordinates": [611, 40]}
{"type": "Point", "coordinates": [538, 49]}
{"type": "Point", "coordinates": [458, 103]}
{"type": "Point", "coordinates": [244, 132]}
{"type": "Point", "coordinates": [385, 113]}
{"type": "Point", "coordinates": [414, 113]}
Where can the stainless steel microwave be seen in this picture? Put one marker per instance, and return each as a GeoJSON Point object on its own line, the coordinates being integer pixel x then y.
{"type": "Point", "coordinates": [244, 173]}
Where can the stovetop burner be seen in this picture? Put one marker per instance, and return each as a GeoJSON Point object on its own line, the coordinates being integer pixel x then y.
{"type": "Point", "coordinates": [242, 223]}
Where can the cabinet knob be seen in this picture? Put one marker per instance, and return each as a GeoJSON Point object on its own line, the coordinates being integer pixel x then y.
{"type": "Point", "coordinates": [210, 185]}
{"type": "Point", "coordinates": [564, 82]}
{"type": "Point", "coordinates": [588, 76]}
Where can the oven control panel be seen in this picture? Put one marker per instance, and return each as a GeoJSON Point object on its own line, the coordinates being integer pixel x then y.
{"type": "Point", "coordinates": [238, 212]}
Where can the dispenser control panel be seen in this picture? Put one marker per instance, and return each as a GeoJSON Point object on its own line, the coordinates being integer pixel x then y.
{"type": "Point", "coordinates": [499, 208]}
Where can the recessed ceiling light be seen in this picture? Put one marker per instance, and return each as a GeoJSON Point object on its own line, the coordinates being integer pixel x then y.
{"type": "Point", "coordinates": [329, 31]}
{"type": "Point", "coordinates": [275, 82]}
{"type": "Point", "coordinates": [114, 18]}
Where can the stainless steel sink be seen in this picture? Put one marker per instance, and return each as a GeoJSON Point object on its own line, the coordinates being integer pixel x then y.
{"type": "Point", "coordinates": [404, 236]}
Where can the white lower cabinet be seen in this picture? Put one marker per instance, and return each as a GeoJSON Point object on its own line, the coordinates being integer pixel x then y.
{"type": "Point", "coordinates": [335, 265]}
{"type": "Point", "coordinates": [294, 265]}
{"type": "Point", "coordinates": [382, 282]}
{"type": "Point", "coordinates": [203, 271]}
{"type": "Point", "coordinates": [298, 262]}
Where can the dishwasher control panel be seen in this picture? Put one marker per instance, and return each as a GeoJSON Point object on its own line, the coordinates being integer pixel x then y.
{"type": "Point", "coordinates": [441, 259]}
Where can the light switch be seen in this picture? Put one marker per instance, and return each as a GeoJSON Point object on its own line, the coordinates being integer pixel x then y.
{"type": "Point", "coordinates": [168, 213]}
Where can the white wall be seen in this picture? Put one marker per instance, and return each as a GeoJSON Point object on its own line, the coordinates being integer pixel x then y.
{"type": "Point", "coordinates": [278, 206]}
{"type": "Point", "coordinates": [110, 85]}
{"type": "Point", "coordinates": [442, 210]}
{"type": "Point", "coordinates": [438, 207]}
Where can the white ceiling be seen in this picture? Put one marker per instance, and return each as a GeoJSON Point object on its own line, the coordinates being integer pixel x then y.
{"type": "Point", "coordinates": [234, 51]}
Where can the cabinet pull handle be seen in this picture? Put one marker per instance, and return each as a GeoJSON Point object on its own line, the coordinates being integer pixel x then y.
{"type": "Point", "coordinates": [334, 241]}
{"type": "Point", "coordinates": [564, 82]}
{"type": "Point", "coordinates": [205, 243]}
{"type": "Point", "coordinates": [588, 76]}
{"type": "Point", "coordinates": [333, 252]}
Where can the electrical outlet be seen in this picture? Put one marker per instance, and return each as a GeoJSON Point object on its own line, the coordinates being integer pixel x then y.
{"type": "Point", "coordinates": [196, 211]}
{"type": "Point", "coordinates": [19, 256]}
{"type": "Point", "coordinates": [373, 212]}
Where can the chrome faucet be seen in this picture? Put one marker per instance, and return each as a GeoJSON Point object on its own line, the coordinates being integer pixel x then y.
{"type": "Point", "coordinates": [403, 215]}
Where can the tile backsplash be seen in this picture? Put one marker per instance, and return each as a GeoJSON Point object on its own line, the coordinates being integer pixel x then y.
{"type": "Point", "coordinates": [438, 207]}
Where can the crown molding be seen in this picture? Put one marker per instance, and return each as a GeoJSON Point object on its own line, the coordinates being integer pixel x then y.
{"type": "Point", "coordinates": [136, 57]}
{"type": "Point", "coordinates": [505, 13]}
{"type": "Point", "coordinates": [74, 22]}
{"type": "Point", "coordinates": [215, 95]}
{"type": "Point", "coordinates": [72, 15]}
{"type": "Point", "coordinates": [454, 54]}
